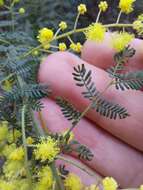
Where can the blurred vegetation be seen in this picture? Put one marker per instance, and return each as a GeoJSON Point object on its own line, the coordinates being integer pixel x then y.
{"type": "Point", "coordinates": [48, 13]}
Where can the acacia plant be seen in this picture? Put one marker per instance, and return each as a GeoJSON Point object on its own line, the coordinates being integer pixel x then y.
{"type": "Point", "coordinates": [27, 151]}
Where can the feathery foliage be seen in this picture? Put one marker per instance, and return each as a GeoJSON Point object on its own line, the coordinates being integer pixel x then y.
{"type": "Point", "coordinates": [68, 110]}
{"type": "Point", "coordinates": [104, 107]}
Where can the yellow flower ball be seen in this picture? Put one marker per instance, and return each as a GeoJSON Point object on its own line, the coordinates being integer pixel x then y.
{"type": "Point", "coordinates": [120, 40]}
{"type": "Point", "coordinates": [73, 182]}
{"type": "Point", "coordinates": [35, 53]}
{"type": "Point", "coordinates": [138, 26]}
{"type": "Point", "coordinates": [95, 32]}
{"type": "Point", "coordinates": [109, 183]}
{"type": "Point", "coordinates": [3, 130]}
{"type": "Point", "coordinates": [76, 47]}
{"type": "Point", "coordinates": [82, 9]}
{"type": "Point", "coordinates": [103, 6]}
{"type": "Point", "coordinates": [17, 154]}
{"type": "Point", "coordinates": [7, 185]}
{"type": "Point", "coordinates": [21, 11]}
{"type": "Point", "coordinates": [16, 1]}
{"type": "Point", "coordinates": [126, 6]}
{"type": "Point", "coordinates": [47, 149]}
{"type": "Point", "coordinates": [45, 178]}
{"type": "Point", "coordinates": [1, 2]}
{"type": "Point", "coordinates": [62, 47]}
{"type": "Point", "coordinates": [63, 25]}
{"type": "Point", "coordinates": [45, 35]}
{"type": "Point", "coordinates": [29, 140]}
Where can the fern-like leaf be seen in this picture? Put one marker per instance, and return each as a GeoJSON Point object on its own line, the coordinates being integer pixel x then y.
{"type": "Point", "coordinates": [104, 107]}
{"type": "Point", "coordinates": [68, 110]}
{"type": "Point", "coordinates": [121, 58]}
{"type": "Point", "coordinates": [131, 80]}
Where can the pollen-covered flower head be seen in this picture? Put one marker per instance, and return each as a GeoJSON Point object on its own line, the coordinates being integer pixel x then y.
{"type": "Point", "coordinates": [3, 130]}
{"type": "Point", "coordinates": [73, 182]}
{"type": "Point", "coordinates": [45, 178]}
{"type": "Point", "coordinates": [77, 47]}
{"type": "Point", "coordinates": [109, 183]}
{"type": "Point", "coordinates": [63, 25]}
{"type": "Point", "coordinates": [7, 185]}
{"type": "Point", "coordinates": [47, 149]}
{"type": "Point", "coordinates": [82, 9]}
{"type": "Point", "coordinates": [95, 32]}
{"type": "Point", "coordinates": [17, 154]}
{"type": "Point", "coordinates": [126, 6]}
{"type": "Point", "coordinates": [45, 35]}
{"type": "Point", "coordinates": [120, 40]}
{"type": "Point", "coordinates": [62, 47]}
{"type": "Point", "coordinates": [103, 6]}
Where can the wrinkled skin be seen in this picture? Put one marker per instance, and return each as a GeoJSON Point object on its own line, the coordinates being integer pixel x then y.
{"type": "Point", "coordinates": [117, 144]}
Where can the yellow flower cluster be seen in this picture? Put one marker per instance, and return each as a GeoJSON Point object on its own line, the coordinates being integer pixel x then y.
{"type": "Point", "coordinates": [45, 35]}
{"type": "Point", "coordinates": [45, 179]}
{"type": "Point", "coordinates": [82, 9]}
{"type": "Point", "coordinates": [1, 2]}
{"type": "Point", "coordinates": [77, 47]}
{"type": "Point", "coordinates": [138, 24]}
{"type": "Point", "coordinates": [126, 6]}
{"type": "Point", "coordinates": [17, 154]}
{"type": "Point", "coordinates": [109, 183]}
{"type": "Point", "coordinates": [29, 140]}
{"type": "Point", "coordinates": [22, 184]}
{"type": "Point", "coordinates": [21, 11]}
{"type": "Point", "coordinates": [3, 130]}
{"type": "Point", "coordinates": [141, 187]}
{"type": "Point", "coordinates": [4, 185]}
{"type": "Point", "coordinates": [103, 6]}
{"type": "Point", "coordinates": [73, 182]}
{"type": "Point", "coordinates": [120, 40]}
{"type": "Point", "coordinates": [92, 187]}
{"type": "Point", "coordinates": [95, 32]}
{"type": "Point", "coordinates": [47, 149]}
{"type": "Point", "coordinates": [62, 47]}
{"type": "Point", "coordinates": [63, 25]}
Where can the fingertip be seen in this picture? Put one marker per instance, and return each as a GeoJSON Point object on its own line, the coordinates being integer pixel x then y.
{"type": "Point", "coordinates": [102, 54]}
{"type": "Point", "coordinates": [98, 54]}
{"type": "Point", "coordinates": [49, 63]}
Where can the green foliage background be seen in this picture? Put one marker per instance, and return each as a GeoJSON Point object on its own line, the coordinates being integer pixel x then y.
{"type": "Point", "coordinates": [49, 12]}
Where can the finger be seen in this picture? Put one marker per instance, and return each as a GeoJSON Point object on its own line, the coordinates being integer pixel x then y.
{"type": "Point", "coordinates": [111, 156]}
{"type": "Point", "coordinates": [101, 54]}
{"type": "Point", "coordinates": [87, 177]}
{"type": "Point", "coordinates": [60, 66]}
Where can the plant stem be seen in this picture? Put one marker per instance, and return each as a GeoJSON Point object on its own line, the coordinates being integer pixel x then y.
{"type": "Point", "coordinates": [24, 141]}
{"type": "Point", "coordinates": [78, 165]}
{"type": "Point", "coordinates": [76, 21]}
{"type": "Point", "coordinates": [74, 32]}
{"type": "Point", "coordinates": [12, 15]}
{"type": "Point", "coordinates": [98, 16]}
{"type": "Point", "coordinates": [38, 129]}
{"type": "Point", "coordinates": [5, 41]}
{"type": "Point", "coordinates": [88, 108]}
{"type": "Point", "coordinates": [6, 78]}
{"type": "Point", "coordinates": [60, 185]}
{"type": "Point", "coordinates": [42, 122]}
{"type": "Point", "coordinates": [119, 16]}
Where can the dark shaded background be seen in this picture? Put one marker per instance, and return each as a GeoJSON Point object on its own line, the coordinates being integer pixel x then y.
{"type": "Point", "coordinates": [49, 12]}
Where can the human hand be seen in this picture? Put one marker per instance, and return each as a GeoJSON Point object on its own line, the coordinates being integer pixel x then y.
{"type": "Point", "coordinates": [117, 145]}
